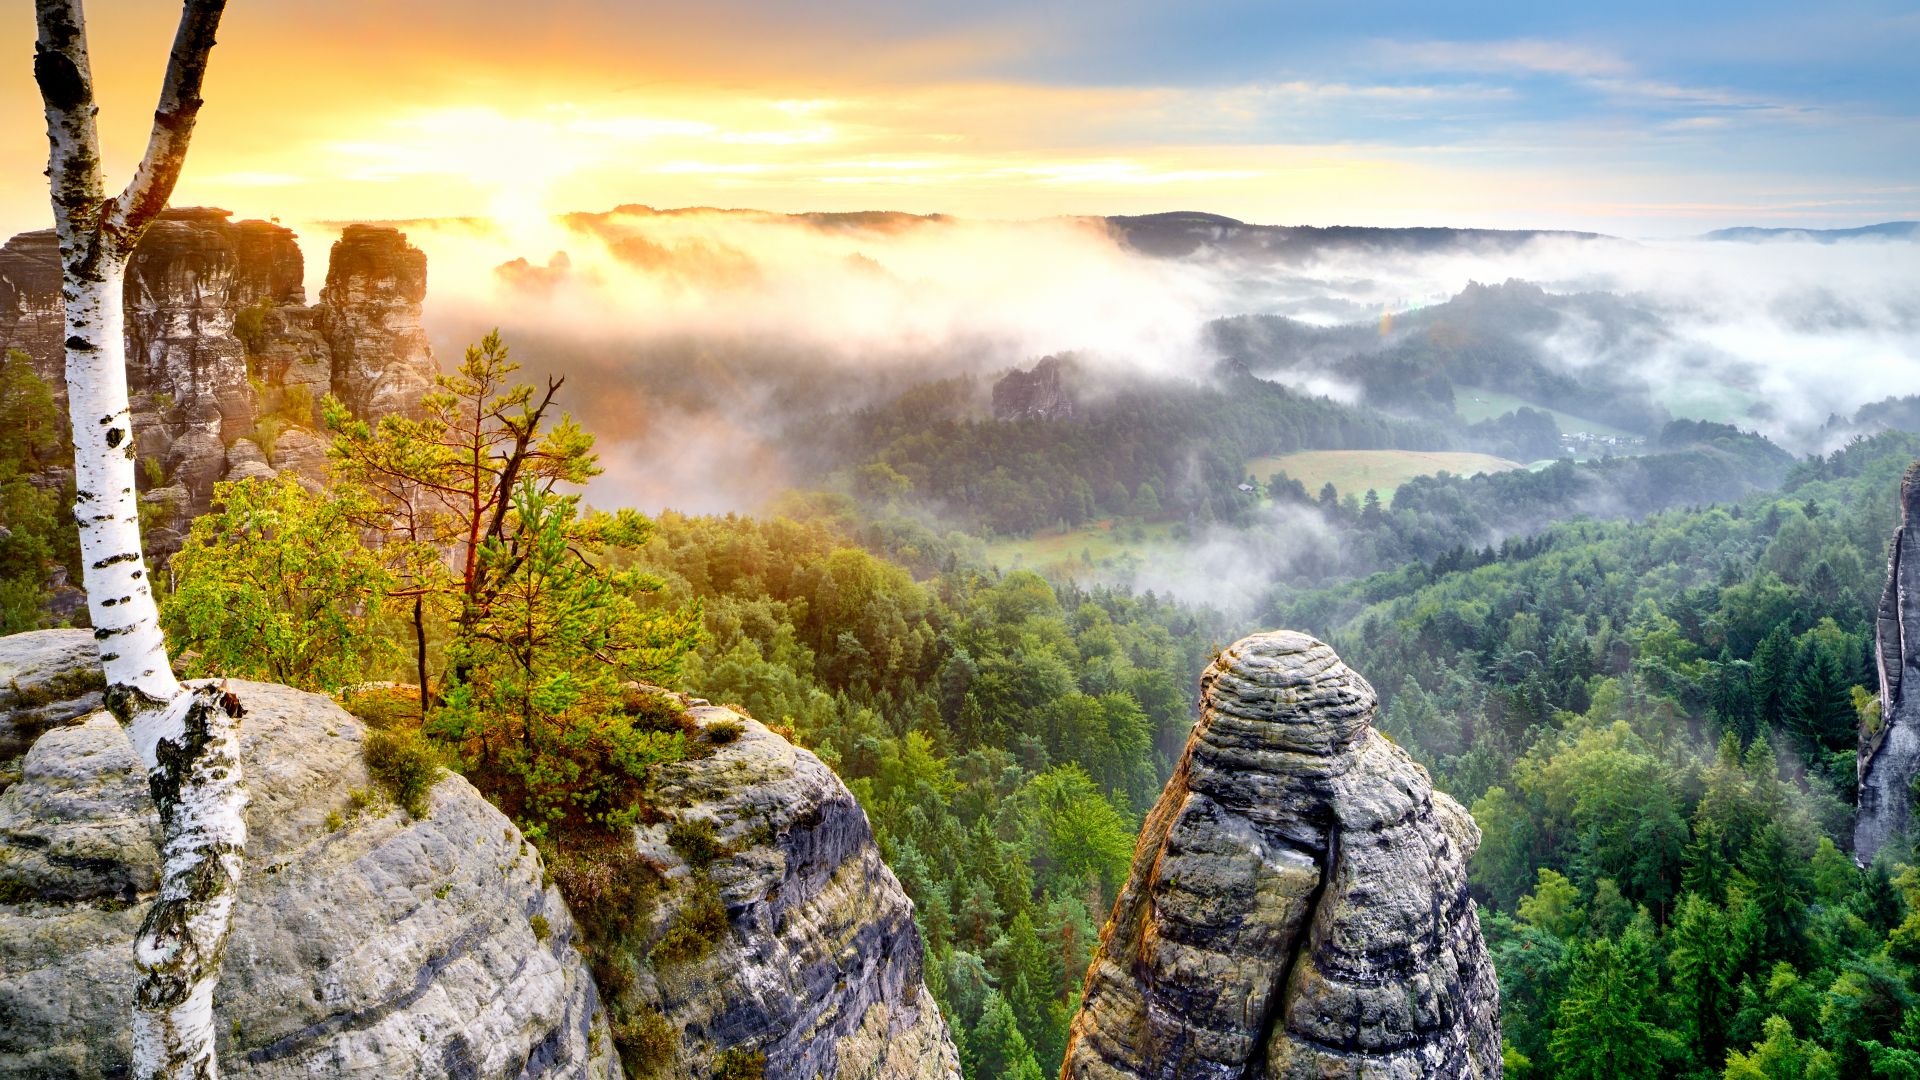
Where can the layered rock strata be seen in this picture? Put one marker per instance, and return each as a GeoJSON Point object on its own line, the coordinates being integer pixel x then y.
{"type": "Point", "coordinates": [1889, 755]}
{"type": "Point", "coordinates": [223, 348]}
{"type": "Point", "coordinates": [1298, 904]}
{"type": "Point", "coordinates": [365, 943]}
{"type": "Point", "coordinates": [819, 966]}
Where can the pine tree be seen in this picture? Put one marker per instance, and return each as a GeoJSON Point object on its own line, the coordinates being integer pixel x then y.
{"type": "Point", "coordinates": [998, 1047]}
{"type": "Point", "coordinates": [1772, 674]}
{"type": "Point", "coordinates": [1701, 954]}
{"type": "Point", "coordinates": [1820, 705]}
{"type": "Point", "coordinates": [1605, 1030]}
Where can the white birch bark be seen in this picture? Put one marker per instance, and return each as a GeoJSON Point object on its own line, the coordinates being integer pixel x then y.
{"type": "Point", "coordinates": [185, 736]}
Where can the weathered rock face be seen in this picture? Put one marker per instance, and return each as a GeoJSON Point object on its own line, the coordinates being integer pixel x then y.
{"type": "Point", "coordinates": [1040, 394]}
{"type": "Point", "coordinates": [370, 307]}
{"type": "Point", "coordinates": [221, 344]}
{"type": "Point", "coordinates": [365, 944]}
{"type": "Point", "coordinates": [1298, 905]}
{"type": "Point", "coordinates": [819, 967]}
{"type": "Point", "coordinates": [1890, 755]}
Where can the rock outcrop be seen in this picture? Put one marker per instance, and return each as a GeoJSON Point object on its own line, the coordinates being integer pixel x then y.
{"type": "Point", "coordinates": [1298, 904]}
{"type": "Point", "coordinates": [222, 346]}
{"type": "Point", "coordinates": [369, 944]}
{"type": "Point", "coordinates": [1043, 393]}
{"type": "Point", "coordinates": [365, 943]}
{"type": "Point", "coordinates": [1889, 755]}
{"type": "Point", "coordinates": [818, 966]}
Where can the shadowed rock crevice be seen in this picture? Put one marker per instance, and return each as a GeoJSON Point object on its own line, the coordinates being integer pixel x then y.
{"type": "Point", "coordinates": [1298, 905]}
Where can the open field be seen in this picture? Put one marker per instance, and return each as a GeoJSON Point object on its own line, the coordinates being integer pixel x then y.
{"type": "Point", "coordinates": [1100, 540]}
{"type": "Point", "coordinates": [1353, 472]}
{"type": "Point", "coordinates": [1473, 404]}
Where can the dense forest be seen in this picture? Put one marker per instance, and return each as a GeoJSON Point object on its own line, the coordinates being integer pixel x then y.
{"type": "Point", "coordinates": [1648, 700]}
{"type": "Point", "coordinates": [1654, 725]}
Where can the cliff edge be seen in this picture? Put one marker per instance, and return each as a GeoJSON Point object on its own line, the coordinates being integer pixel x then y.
{"type": "Point", "coordinates": [807, 963]}
{"type": "Point", "coordinates": [1298, 904]}
{"type": "Point", "coordinates": [1889, 755]}
{"type": "Point", "coordinates": [226, 361]}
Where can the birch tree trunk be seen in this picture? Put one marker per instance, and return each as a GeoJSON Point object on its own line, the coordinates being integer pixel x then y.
{"type": "Point", "coordinates": [184, 735]}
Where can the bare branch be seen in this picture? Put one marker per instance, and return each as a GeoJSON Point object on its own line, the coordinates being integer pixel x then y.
{"type": "Point", "coordinates": [173, 119]}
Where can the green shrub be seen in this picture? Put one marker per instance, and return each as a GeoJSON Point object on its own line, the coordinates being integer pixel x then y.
{"type": "Point", "coordinates": [646, 1043]}
{"type": "Point", "coordinates": [696, 841]}
{"type": "Point", "coordinates": [608, 886]}
{"type": "Point", "coordinates": [722, 732]}
{"type": "Point", "coordinates": [700, 925]}
{"type": "Point", "coordinates": [296, 404]}
{"type": "Point", "coordinates": [652, 709]}
{"type": "Point", "coordinates": [541, 929]}
{"type": "Point", "coordinates": [740, 1063]}
{"type": "Point", "coordinates": [250, 326]}
{"type": "Point", "coordinates": [405, 764]}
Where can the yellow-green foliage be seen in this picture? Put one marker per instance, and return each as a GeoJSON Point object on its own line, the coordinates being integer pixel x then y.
{"type": "Point", "coordinates": [384, 707]}
{"type": "Point", "coordinates": [740, 1063]}
{"type": "Point", "coordinates": [250, 326]}
{"type": "Point", "coordinates": [276, 584]}
{"type": "Point", "coordinates": [702, 922]}
{"type": "Point", "coordinates": [696, 842]}
{"type": "Point", "coordinates": [646, 1043]}
{"type": "Point", "coordinates": [405, 764]}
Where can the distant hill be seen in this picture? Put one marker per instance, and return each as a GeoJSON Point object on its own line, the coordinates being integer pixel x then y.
{"type": "Point", "coordinates": [1886, 230]}
{"type": "Point", "coordinates": [1186, 232]}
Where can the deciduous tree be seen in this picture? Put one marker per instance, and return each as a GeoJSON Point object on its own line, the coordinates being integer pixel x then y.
{"type": "Point", "coordinates": [184, 736]}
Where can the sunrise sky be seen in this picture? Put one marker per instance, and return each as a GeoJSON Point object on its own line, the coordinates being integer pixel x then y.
{"type": "Point", "coordinates": [1637, 118]}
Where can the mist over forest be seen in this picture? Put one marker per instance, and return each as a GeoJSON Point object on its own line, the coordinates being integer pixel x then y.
{"type": "Point", "coordinates": [729, 357]}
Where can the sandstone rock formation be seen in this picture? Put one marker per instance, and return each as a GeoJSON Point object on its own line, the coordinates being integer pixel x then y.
{"type": "Point", "coordinates": [222, 345]}
{"type": "Point", "coordinates": [1889, 755]}
{"type": "Point", "coordinates": [1298, 905]}
{"type": "Point", "coordinates": [819, 967]}
{"type": "Point", "coordinates": [365, 943]}
{"type": "Point", "coordinates": [1040, 394]}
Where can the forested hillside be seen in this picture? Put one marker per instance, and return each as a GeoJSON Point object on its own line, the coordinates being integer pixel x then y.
{"type": "Point", "coordinates": [1651, 711]}
{"type": "Point", "coordinates": [1654, 724]}
{"type": "Point", "coordinates": [1004, 737]}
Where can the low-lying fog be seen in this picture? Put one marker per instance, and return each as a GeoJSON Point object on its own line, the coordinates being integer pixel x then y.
{"type": "Point", "coordinates": [695, 340]}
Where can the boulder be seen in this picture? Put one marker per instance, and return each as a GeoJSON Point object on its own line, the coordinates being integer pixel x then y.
{"type": "Point", "coordinates": [365, 943]}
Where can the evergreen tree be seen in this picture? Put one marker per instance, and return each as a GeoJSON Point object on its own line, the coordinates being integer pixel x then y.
{"type": "Point", "coordinates": [1606, 1028]}
{"type": "Point", "coordinates": [999, 1049]}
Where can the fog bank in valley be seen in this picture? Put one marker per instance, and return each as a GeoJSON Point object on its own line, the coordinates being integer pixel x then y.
{"type": "Point", "coordinates": [699, 343]}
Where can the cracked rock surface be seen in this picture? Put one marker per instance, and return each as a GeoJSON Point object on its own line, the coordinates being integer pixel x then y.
{"type": "Point", "coordinates": [364, 944]}
{"type": "Point", "coordinates": [1298, 904]}
{"type": "Point", "coordinates": [820, 964]}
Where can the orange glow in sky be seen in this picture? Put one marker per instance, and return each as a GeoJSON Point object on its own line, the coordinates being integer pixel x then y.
{"type": "Point", "coordinates": [357, 109]}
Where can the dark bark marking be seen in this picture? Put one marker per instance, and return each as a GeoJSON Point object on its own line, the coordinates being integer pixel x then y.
{"type": "Point", "coordinates": [61, 84]}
